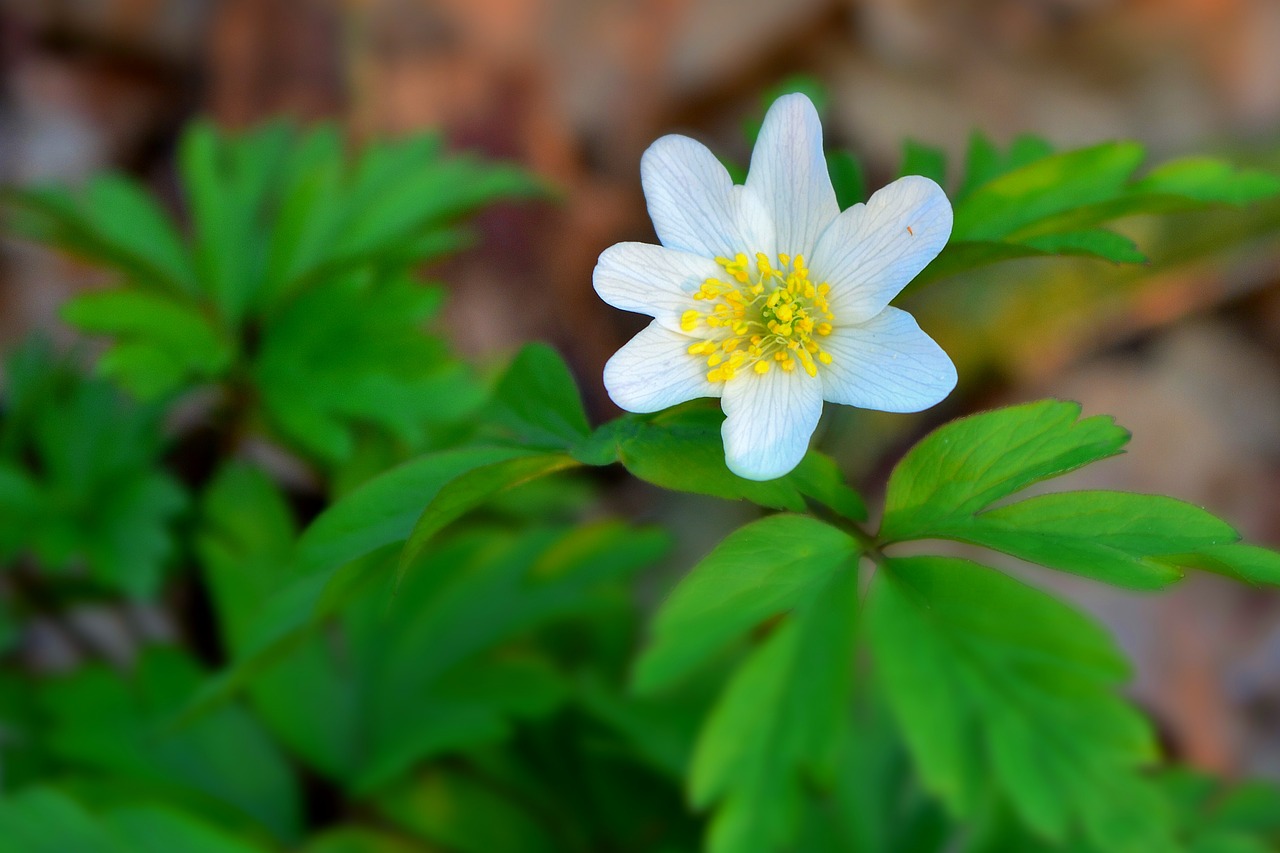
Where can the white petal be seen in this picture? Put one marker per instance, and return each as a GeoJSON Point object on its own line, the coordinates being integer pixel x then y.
{"type": "Point", "coordinates": [870, 252]}
{"type": "Point", "coordinates": [789, 175]}
{"type": "Point", "coordinates": [695, 206]}
{"type": "Point", "coordinates": [654, 370]}
{"type": "Point", "coordinates": [652, 280]}
{"type": "Point", "coordinates": [768, 421]}
{"type": "Point", "coordinates": [886, 363]}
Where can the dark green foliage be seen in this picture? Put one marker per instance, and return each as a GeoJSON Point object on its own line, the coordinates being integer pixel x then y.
{"type": "Point", "coordinates": [433, 644]}
{"type": "Point", "coordinates": [43, 820]}
{"type": "Point", "coordinates": [81, 490]}
{"type": "Point", "coordinates": [291, 287]}
{"type": "Point", "coordinates": [106, 728]}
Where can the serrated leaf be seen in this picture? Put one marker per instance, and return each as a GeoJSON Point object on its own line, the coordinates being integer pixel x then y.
{"type": "Point", "coordinates": [115, 225]}
{"type": "Point", "coordinates": [386, 372]}
{"type": "Point", "coordinates": [969, 464]}
{"type": "Point", "coordinates": [1116, 537]}
{"type": "Point", "coordinates": [768, 567]}
{"type": "Point", "coordinates": [1207, 180]}
{"type": "Point", "coordinates": [995, 684]}
{"type": "Point", "coordinates": [779, 724]}
{"type": "Point", "coordinates": [245, 543]}
{"type": "Point", "coordinates": [538, 400]}
{"type": "Point", "coordinates": [945, 486]}
{"type": "Point", "coordinates": [224, 208]}
{"type": "Point", "coordinates": [446, 669]}
{"type": "Point", "coordinates": [1029, 202]}
{"type": "Point", "coordinates": [82, 481]}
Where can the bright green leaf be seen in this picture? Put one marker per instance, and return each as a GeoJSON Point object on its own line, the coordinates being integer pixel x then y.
{"type": "Point", "coordinates": [538, 400]}
{"type": "Point", "coordinates": [778, 726]}
{"type": "Point", "coordinates": [768, 567]}
{"type": "Point", "coordinates": [997, 685]}
{"type": "Point", "coordinates": [969, 464]}
{"type": "Point", "coordinates": [1116, 537]}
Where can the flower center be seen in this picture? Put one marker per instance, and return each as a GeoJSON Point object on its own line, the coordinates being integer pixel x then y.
{"type": "Point", "coordinates": [757, 321]}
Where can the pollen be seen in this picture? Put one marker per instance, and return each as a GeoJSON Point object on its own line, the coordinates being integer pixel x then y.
{"type": "Point", "coordinates": [759, 313]}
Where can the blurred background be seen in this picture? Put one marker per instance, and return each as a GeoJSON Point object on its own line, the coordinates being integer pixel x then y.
{"type": "Point", "coordinates": [1184, 351]}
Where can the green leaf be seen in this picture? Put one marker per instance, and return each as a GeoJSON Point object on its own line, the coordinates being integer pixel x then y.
{"type": "Point", "coordinates": [82, 481]}
{"type": "Point", "coordinates": [779, 724]}
{"type": "Point", "coordinates": [147, 829]}
{"type": "Point", "coordinates": [768, 567]}
{"type": "Point", "coordinates": [385, 509]}
{"type": "Point", "coordinates": [473, 488]}
{"type": "Point", "coordinates": [538, 400]}
{"type": "Point", "coordinates": [245, 544]}
{"type": "Point", "coordinates": [461, 812]}
{"type": "Point", "coordinates": [1239, 561]}
{"type": "Point", "coordinates": [997, 686]}
{"type": "Point", "coordinates": [1116, 537]}
{"type": "Point", "coordinates": [106, 726]}
{"type": "Point", "coordinates": [44, 820]}
{"type": "Point", "coordinates": [114, 224]}
{"type": "Point", "coordinates": [224, 203]}
{"type": "Point", "coordinates": [183, 345]}
{"type": "Point", "coordinates": [1061, 182]}
{"type": "Point", "coordinates": [681, 449]}
{"type": "Point", "coordinates": [919, 159]}
{"type": "Point", "coordinates": [379, 513]}
{"type": "Point", "coordinates": [965, 466]}
{"type": "Point", "coordinates": [1029, 202]}
{"type": "Point", "coordinates": [357, 839]}
{"type": "Point", "coordinates": [1095, 242]}
{"type": "Point", "coordinates": [386, 373]}
{"type": "Point", "coordinates": [1204, 179]}
{"type": "Point", "coordinates": [945, 486]}
{"type": "Point", "coordinates": [985, 162]}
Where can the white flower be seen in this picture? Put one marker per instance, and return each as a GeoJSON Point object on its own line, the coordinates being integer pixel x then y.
{"type": "Point", "coordinates": [768, 296]}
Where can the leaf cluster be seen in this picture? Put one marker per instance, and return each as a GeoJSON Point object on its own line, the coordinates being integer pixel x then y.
{"type": "Point", "coordinates": [287, 283]}
{"type": "Point", "coordinates": [445, 645]}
